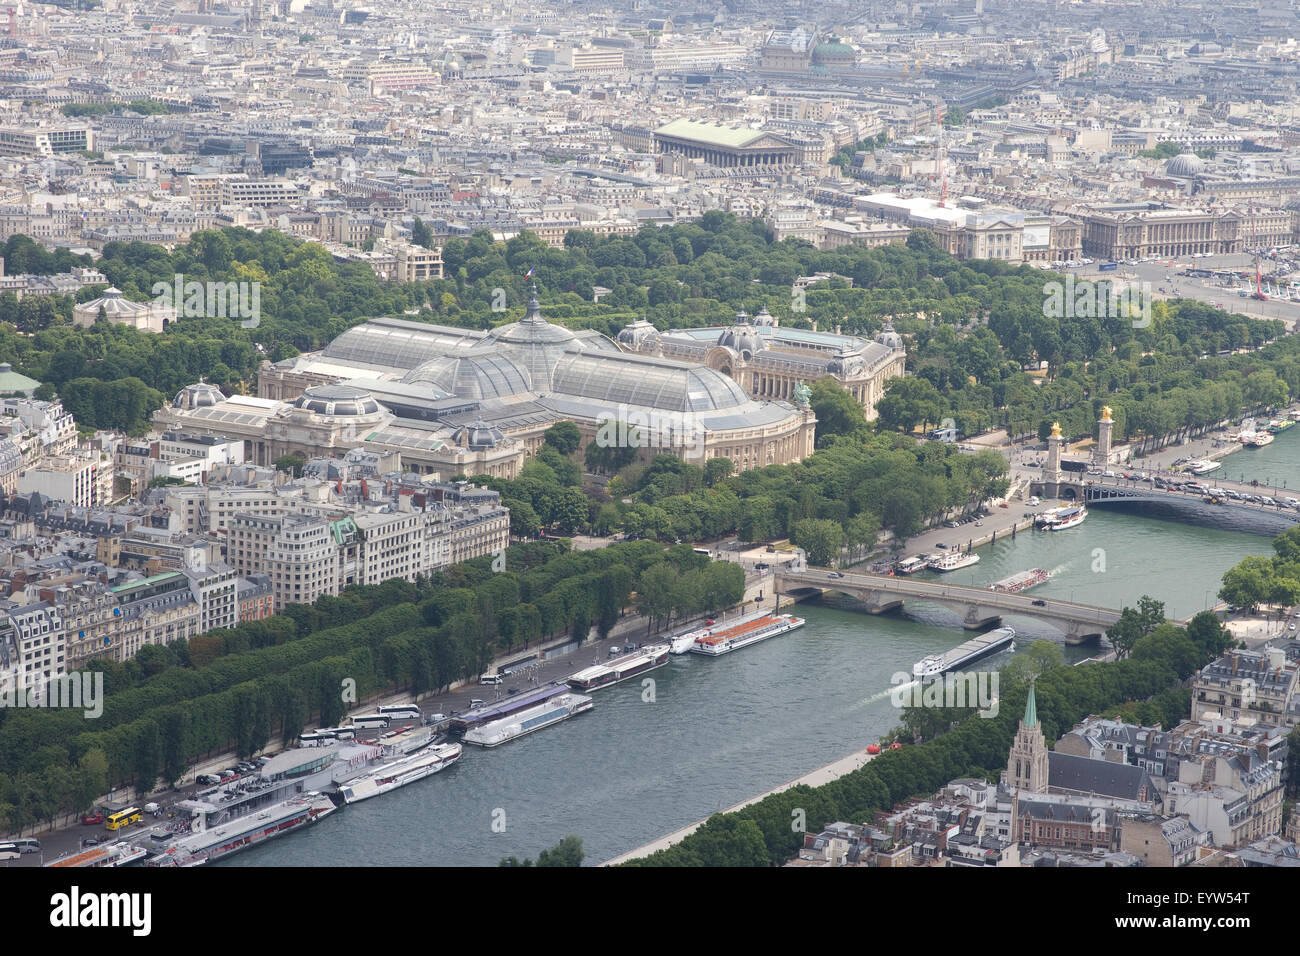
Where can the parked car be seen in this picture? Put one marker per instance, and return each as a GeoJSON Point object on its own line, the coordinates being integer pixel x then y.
{"type": "Point", "coordinates": [207, 779]}
{"type": "Point", "coordinates": [97, 817]}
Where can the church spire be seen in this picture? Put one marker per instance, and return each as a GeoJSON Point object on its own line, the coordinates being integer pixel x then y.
{"type": "Point", "coordinates": [1031, 709]}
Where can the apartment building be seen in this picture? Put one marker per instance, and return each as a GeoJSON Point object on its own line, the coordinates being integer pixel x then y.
{"type": "Point", "coordinates": [45, 141]}
{"type": "Point", "coordinates": [241, 191]}
{"type": "Point", "coordinates": [1257, 685]}
{"type": "Point", "coordinates": [69, 478]}
{"type": "Point", "coordinates": [416, 263]}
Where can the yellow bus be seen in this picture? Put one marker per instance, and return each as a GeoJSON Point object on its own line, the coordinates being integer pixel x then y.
{"type": "Point", "coordinates": [122, 818]}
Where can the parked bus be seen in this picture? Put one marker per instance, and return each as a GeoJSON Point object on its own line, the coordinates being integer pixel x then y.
{"type": "Point", "coordinates": [9, 851]}
{"type": "Point", "coordinates": [362, 721]}
{"type": "Point", "coordinates": [401, 711]}
{"type": "Point", "coordinates": [122, 818]}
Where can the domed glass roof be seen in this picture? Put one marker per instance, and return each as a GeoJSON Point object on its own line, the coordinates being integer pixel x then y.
{"type": "Point", "coordinates": [655, 383]}
{"type": "Point", "coordinates": [198, 395]}
{"type": "Point", "coordinates": [535, 344]}
{"type": "Point", "coordinates": [473, 376]}
{"type": "Point", "coordinates": [337, 400]}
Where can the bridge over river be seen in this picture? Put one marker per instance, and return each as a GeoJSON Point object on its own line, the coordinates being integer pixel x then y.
{"type": "Point", "coordinates": [1144, 496]}
{"type": "Point", "coordinates": [979, 608]}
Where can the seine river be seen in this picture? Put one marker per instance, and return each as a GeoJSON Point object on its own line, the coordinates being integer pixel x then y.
{"type": "Point", "coordinates": [722, 730]}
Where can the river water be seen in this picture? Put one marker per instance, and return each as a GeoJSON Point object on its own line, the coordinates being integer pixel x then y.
{"type": "Point", "coordinates": [719, 731]}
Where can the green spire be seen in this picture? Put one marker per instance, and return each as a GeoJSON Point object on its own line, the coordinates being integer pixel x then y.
{"type": "Point", "coordinates": [1031, 709]}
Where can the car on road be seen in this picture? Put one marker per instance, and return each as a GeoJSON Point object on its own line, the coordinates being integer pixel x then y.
{"type": "Point", "coordinates": [97, 817]}
{"type": "Point", "coordinates": [835, 574]}
{"type": "Point", "coordinates": [90, 841]}
{"type": "Point", "coordinates": [207, 779]}
{"type": "Point", "coordinates": [1040, 603]}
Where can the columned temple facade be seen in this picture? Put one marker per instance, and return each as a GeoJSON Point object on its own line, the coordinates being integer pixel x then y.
{"type": "Point", "coordinates": [725, 146]}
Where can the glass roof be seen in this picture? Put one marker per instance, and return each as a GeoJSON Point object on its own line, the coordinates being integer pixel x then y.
{"type": "Point", "coordinates": [473, 376]}
{"type": "Point", "coordinates": [396, 343]}
{"type": "Point", "coordinates": [647, 382]}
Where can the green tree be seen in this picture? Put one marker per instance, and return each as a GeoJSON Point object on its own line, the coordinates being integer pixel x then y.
{"type": "Point", "coordinates": [564, 437]}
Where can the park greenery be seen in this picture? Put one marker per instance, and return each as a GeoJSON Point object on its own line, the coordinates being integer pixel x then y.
{"type": "Point", "coordinates": [1258, 580]}
{"type": "Point", "coordinates": [568, 852]}
{"type": "Point", "coordinates": [980, 348]}
{"type": "Point", "coordinates": [834, 504]}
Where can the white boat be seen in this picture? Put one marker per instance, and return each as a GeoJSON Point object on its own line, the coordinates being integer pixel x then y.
{"type": "Point", "coordinates": [682, 643]}
{"type": "Point", "coordinates": [913, 564]}
{"type": "Point", "coordinates": [954, 561]}
{"type": "Point", "coordinates": [400, 772]}
{"type": "Point", "coordinates": [558, 708]}
{"type": "Point", "coordinates": [1062, 519]}
{"type": "Point", "coordinates": [1204, 466]}
{"type": "Point", "coordinates": [230, 837]}
{"type": "Point", "coordinates": [620, 669]}
{"type": "Point", "coordinates": [738, 634]}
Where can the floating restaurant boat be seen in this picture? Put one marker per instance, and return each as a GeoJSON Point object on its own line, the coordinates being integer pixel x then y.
{"type": "Point", "coordinates": [621, 668]}
{"type": "Point", "coordinates": [722, 640]}
{"type": "Point", "coordinates": [206, 845]}
{"type": "Point", "coordinates": [954, 561]}
{"type": "Point", "coordinates": [553, 711]}
{"type": "Point", "coordinates": [506, 706]}
{"type": "Point", "coordinates": [1061, 519]}
{"type": "Point", "coordinates": [912, 565]}
{"type": "Point", "coordinates": [400, 772]}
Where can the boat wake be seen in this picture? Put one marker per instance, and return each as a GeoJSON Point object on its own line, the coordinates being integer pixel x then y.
{"type": "Point", "coordinates": [866, 701]}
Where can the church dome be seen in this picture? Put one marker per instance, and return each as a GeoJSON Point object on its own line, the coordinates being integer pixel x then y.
{"type": "Point", "coordinates": [337, 401]}
{"type": "Point", "coordinates": [198, 395]}
{"type": "Point", "coordinates": [1185, 165]}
